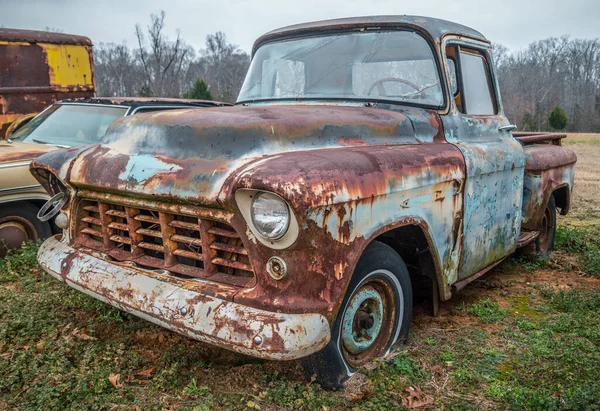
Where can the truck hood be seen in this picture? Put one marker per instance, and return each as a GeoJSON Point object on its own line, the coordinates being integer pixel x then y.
{"type": "Point", "coordinates": [17, 152]}
{"type": "Point", "coordinates": [189, 155]}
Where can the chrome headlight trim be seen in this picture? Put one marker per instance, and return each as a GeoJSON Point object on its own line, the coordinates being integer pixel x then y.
{"type": "Point", "coordinates": [244, 198]}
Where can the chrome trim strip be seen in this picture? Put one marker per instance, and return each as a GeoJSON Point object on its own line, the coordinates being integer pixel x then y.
{"type": "Point", "coordinates": [11, 165]}
{"type": "Point", "coordinates": [8, 190]}
{"type": "Point", "coordinates": [164, 107]}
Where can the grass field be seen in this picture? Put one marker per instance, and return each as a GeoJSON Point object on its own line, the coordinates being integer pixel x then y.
{"type": "Point", "coordinates": [526, 336]}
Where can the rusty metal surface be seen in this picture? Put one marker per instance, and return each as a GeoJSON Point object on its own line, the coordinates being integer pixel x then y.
{"type": "Point", "coordinates": [435, 28]}
{"type": "Point", "coordinates": [533, 138]}
{"type": "Point", "coordinates": [33, 36]}
{"type": "Point", "coordinates": [538, 187]}
{"type": "Point", "coordinates": [144, 101]}
{"type": "Point", "coordinates": [187, 307]}
{"type": "Point", "coordinates": [39, 68]}
{"type": "Point", "coordinates": [548, 168]}
{"type": "Point", "coordinates": [543, 157]}
{"type": "Point", "coordinates": [177, 239]}
{"type": "Point", "coordinates": [182, 154]}
{"type": "Point", "coordinates": [19, 152]}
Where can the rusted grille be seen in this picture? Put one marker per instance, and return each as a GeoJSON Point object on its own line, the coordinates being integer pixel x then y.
{"type": "Point", "coordinates": [190, 246]}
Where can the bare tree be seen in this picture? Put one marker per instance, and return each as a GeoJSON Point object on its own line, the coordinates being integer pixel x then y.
{"type": "Point", "coordinates": [554, 71]}
{"type": "Point", "coordinates": [118, 73]}
{"type": "Point", "coordinates": [163, 61]}
{"type": "Point", "coordinates": [223, 65]}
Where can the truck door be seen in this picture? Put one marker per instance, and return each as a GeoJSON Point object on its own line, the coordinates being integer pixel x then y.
{"type": "Point", "coordinates": [493, 189]}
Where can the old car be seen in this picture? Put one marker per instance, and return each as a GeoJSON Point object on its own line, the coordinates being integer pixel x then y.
{"type": "Point", "coordinates": [37, 68]}
{"type": "Point", "coordinates": [72, 122]}
{"type": "Point", "coordinates": [365, 158]}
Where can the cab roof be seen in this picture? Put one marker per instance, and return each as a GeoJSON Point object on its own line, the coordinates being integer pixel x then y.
{"type": "Point", "coordinates": [144, 101]}
{"type": "Point", "coordinates": [33, 36]}
{"type": "Point", "coordinates": [436, 28]}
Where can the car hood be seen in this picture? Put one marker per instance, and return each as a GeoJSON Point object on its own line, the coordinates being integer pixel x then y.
{"type": "Point", "coordinates": [17, 152]}
{"type": "Point", "coordinates": [189, 155]}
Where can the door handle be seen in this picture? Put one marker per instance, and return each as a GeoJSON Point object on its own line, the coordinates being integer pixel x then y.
{"type": "Point", "coordinates": [510, 127]}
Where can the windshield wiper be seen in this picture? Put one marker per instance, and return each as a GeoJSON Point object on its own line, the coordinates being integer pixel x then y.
{"type": "Point", "coordinates": [41, 142]}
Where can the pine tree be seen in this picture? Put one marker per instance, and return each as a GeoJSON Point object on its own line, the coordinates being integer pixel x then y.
{"type": "Point", "coordinates": [199, 91]}
{"type": "Point", "coordinates": [558, 118]}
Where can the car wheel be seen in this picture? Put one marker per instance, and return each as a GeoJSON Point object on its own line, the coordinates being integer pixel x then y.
{"type": "Point", "coordinates": [375, 314]}
{"type": "Point", "coordinates": [544, 243]}
{"type": "Point", "coordinates": [19, 224]}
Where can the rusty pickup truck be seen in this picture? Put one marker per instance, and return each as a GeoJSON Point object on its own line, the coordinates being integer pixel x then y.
{"type": "Point", "coordinates": [366, 159]}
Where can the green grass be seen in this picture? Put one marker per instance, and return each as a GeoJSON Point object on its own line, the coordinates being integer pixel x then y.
{"type": "Point", "coordinates": [583, 242]}
{"type": "Point", "coordinates": [501, 348]}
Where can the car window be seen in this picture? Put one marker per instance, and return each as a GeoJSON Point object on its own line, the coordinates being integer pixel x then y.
{"type": "Point", "coordinates": [70, 124]}
{"type": "Point", "coordinates": [453, 79]}
{"type": "Point", "coordinates": [477, 87]}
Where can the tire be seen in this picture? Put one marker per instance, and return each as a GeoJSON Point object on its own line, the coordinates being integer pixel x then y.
{"type": "Point", "coordinates": [19, 224]}
{"type": "Point", "coordinates": [544, 244]}
{"type": "Point", "coordinates": [377, 307]}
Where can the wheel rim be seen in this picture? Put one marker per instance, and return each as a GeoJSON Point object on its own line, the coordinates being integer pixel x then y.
{"type": "Point", "coordinates": [546, 231]}
{"type": "Point", "coordinates": [14, 231]}
{"type": "Point", "coordinates": [368, 321]}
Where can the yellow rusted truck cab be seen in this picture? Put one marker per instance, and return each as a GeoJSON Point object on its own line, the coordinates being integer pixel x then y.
{"type": "Point", "coordinates": [38, 68]}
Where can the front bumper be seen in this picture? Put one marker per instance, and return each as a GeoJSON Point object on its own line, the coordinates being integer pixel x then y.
{"type": "Point", "coordinates": [166, 301]}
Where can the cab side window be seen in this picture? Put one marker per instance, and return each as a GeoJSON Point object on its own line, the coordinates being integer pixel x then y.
{"type": "Point", "coordinates": [477, 83]}
{"type": "Point", "coordinates": [471, 81]}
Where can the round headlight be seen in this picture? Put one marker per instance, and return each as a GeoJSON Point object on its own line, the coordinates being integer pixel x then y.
{"type": "Point", "coordinates": [270, 215]}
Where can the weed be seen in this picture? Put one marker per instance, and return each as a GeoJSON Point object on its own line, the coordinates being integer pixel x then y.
{"type": "Point", "coordinates": [487, 311]}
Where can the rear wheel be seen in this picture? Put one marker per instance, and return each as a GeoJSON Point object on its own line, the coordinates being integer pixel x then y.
{"type": "Point", "coordinates": [19, 224]}
{"type": "Point", "coordinates": [544, 243]}
{"type": "Point", "coordinates": [375, 314]}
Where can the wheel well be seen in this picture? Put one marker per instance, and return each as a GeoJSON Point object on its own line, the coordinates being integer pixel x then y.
{"type": "Point", "coordinates": [37, 202]}
{"type": "Point", "coordinates": [411, 244]}
{"type": "Point", "coordinates": [562, 197]}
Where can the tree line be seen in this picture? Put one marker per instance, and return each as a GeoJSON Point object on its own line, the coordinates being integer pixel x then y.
{"type": "Point", "coordinates": [163, 67]}
{"type": "Point", "coordinates": [555, 72]}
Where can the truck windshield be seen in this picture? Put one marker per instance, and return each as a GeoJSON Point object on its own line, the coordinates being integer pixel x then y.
{"type": "Point", "coordinates": [398, 66]}
{"type": "Point", "coordinates": [69, 125]}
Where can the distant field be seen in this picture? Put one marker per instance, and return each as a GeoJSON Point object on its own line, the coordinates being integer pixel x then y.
{"type": "Point", "coordinates": [584, 138]}
{"type": "Point", "coordinates": [585, 207]}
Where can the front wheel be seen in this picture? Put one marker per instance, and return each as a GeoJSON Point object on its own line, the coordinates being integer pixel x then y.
{"type": "Point", "coordinates": [19, 224]}
{"type": "Point", "coordinates": [375, 314]}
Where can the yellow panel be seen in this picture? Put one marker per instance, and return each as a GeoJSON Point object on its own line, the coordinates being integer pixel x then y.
{"type": "Point", "coordinates": [69, 65]}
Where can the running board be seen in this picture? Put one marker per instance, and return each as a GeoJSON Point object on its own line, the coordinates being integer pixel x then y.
{"type": "Point", "coordinates": [461, 284]}
{"type": "Point", "coordinates": [527, 237]}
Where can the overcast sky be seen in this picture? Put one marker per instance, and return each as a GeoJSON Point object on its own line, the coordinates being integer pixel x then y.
{"type": "Point", "coordinates": [514, 23]}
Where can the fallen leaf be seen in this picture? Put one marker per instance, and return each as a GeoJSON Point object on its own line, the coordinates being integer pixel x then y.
{"type": "Point", "coordinates": [80, 333]}
{"type": "Point", "coordinates": [115, 380]}
{"type": "Point", "coordinates": [146, 374]}
{"type": "Point", "coordinates": [416, 398]}
{"type": "Point", "coordinates": [437, 369]}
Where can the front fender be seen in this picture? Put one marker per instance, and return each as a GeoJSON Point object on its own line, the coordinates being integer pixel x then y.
{"type": "Point", "coordinates": [343, 198]}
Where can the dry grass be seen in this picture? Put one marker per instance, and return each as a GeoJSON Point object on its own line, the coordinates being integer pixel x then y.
{"type": "Point", "coordinates": [585, 204]}
{"type": "Point", "coordinates": [582, 138]}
